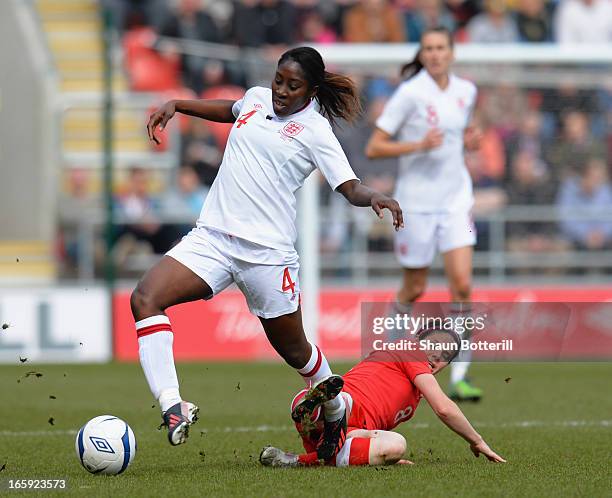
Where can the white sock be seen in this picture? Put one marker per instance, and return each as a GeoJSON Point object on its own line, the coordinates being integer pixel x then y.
{"type": "Point", "coordinates": [155, 348]}
{"type": "Point", "coordinates": [315, 370]}
{"type": "Point", "coordinates": [400, 309]}
{"type": "Point", "coordinates": [460, 365]}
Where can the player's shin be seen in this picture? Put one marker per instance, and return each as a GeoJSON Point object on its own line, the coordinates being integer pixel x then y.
{"type": "Point", "coordinates": [460, 365]}
{"type": "Point", "coordinates": [316, 369]}
{"type": "Point", "coordinates": [155, 349]}
{"type": "Point", "coordinates": [396, 312]}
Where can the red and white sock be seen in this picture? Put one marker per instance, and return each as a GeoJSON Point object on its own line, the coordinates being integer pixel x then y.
{"type": "Point", "coordinates": [155, 348]}
{"type": "Point", "coordinates": [318, 369]}
{"type": "Point", "coordinates": [356, 451]}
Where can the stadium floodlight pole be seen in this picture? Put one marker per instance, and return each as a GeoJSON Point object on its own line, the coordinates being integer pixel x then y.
{"type": "Point", "coordinates": [308, 221]}
{"type": "Point", "coordinates": [107, 141]}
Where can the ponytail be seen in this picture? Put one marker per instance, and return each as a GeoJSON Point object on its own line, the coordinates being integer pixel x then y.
{"type": "Point", "coordinates": [338, 98]}
{"type": "Point", "coordinates": [411, 68]}
{"type": "Point", "coordinates": [336, 94]}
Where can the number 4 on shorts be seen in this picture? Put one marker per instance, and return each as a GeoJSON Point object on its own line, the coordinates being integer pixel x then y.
{"type": "Point", "coordinates": [288, 284]}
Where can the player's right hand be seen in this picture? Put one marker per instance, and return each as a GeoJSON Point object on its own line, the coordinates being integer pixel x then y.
{"type": "Point", "coordinates": [160, 118]}
{"type": "Point", "coordinates": [483, 448]}
{"type": "Point", "coordinates": [433, 139]}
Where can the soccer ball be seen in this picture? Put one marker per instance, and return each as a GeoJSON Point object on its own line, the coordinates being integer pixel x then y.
{"type": "Point", "coordinates": [105, 445]}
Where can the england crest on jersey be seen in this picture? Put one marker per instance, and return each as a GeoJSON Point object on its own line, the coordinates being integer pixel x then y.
{"type": "Point", "coordinates": [291, 129]}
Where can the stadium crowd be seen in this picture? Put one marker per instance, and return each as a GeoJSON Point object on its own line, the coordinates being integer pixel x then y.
{"type": "Point", "coordinates": [541, 146]}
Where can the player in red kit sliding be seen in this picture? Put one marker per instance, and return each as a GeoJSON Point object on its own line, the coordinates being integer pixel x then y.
{"type": "Point", "coordinates": [381, 392]}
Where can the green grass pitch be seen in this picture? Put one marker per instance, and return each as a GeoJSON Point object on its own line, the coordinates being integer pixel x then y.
{"type": "Point", "coordinates": [552, 422]}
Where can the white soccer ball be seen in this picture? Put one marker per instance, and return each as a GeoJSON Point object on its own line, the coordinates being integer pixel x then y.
{"type": "Point", "coordinates": [105, 445]}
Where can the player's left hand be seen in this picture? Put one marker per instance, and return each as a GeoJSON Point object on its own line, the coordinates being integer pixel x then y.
{"type": "Point", "coordinates": [483, 448]}
{"type": "Point", "coordinates": [404, 462]}
{"type": "Point", "coordinates": [380, 202]}
{"type": "Point", "coordinates": [472, 137]}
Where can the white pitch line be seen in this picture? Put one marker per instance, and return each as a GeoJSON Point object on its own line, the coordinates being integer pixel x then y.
{"type": "Point", "coordinates": [525, 424]}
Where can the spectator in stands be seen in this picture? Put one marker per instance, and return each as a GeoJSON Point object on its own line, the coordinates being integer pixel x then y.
{"type": "Point", "coordinates": [257, 23]}
{"type": "Point", "coordinates": [185, 200]}
{"type": "Point", "coordinates": [494, 25]}
{"type": "Point", "coordinates": [529, 182]}
{"type": "Point", "coordinates": [427, 14]}
{"type": "Point", "coordinates": [528, 138]}
{"type": "Point", "coordinates": [588, 193]}
{"type": "Point", "coordinates": [315, 30]}
{"type": "Point", "coordinates": [584, 21]}
{"type": "Point", "coordinates": [373, 21]}
{"type": "Point", "coordinates": [487, 168]}
{"type": "Point", "coordinates": [138, 214]}
{"type": "Point", "coordinates": [335, 12]}
{"type": "Point", "coordinates": [76, 205]}
{"type": "Point", "coordinates": [569, 154]}
{"type": "Point", "coordinates": [462, 12]}
{"type": "Point", "coordinates": [533, 21]}
{"type": "Point", "coordinates": [149, 69]}
{"type": "Point", "coordinates": [153, 12]}
{"type": "Point", "coordinates": [604, 102]}
{"type": "Point", "coordinates": [200, 150]}
{"type": "Point", "coordinates": [530, 185]}
{"type": "Point", "coordinates": [503, 106]}
{"type": "Point", "coordinates": [190, 22]}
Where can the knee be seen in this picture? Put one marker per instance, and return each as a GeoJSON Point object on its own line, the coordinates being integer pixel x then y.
{"type": "Point", "coordinates": [395, 448]}
{"type": "Point", "coordinates": [462, 289]}
{"type": "Point", "coordinates": [143, 303]}
{"type": "Point", "coordinates": [411, 292]}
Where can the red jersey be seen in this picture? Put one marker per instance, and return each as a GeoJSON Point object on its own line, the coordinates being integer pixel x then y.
{"type": "Point", "coordinates": [383, 390]}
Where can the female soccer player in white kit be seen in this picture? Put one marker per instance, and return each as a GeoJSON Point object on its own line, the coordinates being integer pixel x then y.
{"type": "Point", "coordinates": [429, 116]}
{"type": "Point", "coordinates": [246, 230]}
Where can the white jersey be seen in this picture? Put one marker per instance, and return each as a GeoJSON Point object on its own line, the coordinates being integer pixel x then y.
{"type": "Point", "coordinates": [437, 180]}
{"type": "Point", "coordinates": [266, 160]}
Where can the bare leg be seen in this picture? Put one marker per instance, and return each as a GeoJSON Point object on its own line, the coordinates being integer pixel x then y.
{"type": "Point", "coordinates": [165, 284]}
{"type": "Point", "coordinates": [413, 285]}
{"type": "Point", "coordinates": [386, 447]}
{"type": "Point", "coordinates": [363, 447]}
{"type": "Point", "coordinates": [458, 268]}
{"type": "Point", "coordinates": [287, 337]}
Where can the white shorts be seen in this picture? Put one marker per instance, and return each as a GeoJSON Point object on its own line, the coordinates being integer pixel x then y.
{"type": "Point", "coordinates": [267, 277]}
{"type": "Point", "coordinates": [424, 234]}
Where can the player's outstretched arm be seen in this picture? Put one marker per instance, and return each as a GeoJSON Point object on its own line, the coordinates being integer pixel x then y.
{"type": "Point", "coordinates": [381, 144]}
{"type": "Point", "coordinates": [212, 110]}
{"type": "Point", "coordinates": [449, 413]}
{"type": "Point", "coordinates": [362, 196]}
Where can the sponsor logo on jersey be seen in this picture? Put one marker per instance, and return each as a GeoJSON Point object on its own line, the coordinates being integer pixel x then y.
{"type": "Point", "coordinates": [258, 106]}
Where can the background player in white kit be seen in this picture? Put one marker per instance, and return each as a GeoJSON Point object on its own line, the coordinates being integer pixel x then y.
{"type": "Point", "coordinates": [246, 231]}
{"type": "Point", "coordinates": [429, 116]}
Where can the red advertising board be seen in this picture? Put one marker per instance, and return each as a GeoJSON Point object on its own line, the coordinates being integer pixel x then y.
{"type": "Point", "coordinates": [223, 328]}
